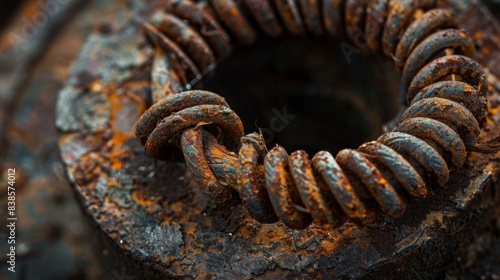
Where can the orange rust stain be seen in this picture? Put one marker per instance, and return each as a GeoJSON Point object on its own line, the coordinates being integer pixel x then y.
{"type": "Point", "coordinates": [418, 13]}
{"type": "Point", "coordinates": [137, 197]}
{"type": "Point", "coordinates": [119, 137]}
{"type": "Point", "coordinates": [189, 228]}
{"type": "Point", "coordinates": [486, 50]}
{"type": "Point", "coordinates": [218, 153]}
{"type": "Point", "coordinates": [493, 110]}
{"type": "Point", "coordinates": [478, 35]}
{"type": "Point", "coordinates": [491, 167]}
{"type": "Point", "coordinates": [328, 246]}
{"type": "Point", "coordinates": [166, 221]}
{"type": "Point", "coordinates": [342, 182]}
{"type": "Point", "coordinates": [115, 155]}
{"type": "Point", "coordinates": [85, 158]}
{"type": "Point", "coordinates": [398, 8]}
{"type": "Point", "coordinates": [244, 232]}
{"type": "Point", "coordinates": [382, 181]}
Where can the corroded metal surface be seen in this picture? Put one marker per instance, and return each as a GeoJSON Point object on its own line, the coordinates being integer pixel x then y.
{"type": "Point", "coordinates": [291, 181]}
{"type": "Point", "coordinates": [151, 214]}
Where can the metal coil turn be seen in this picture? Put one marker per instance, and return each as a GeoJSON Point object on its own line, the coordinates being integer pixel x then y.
{"type": "Point", "coordinates": [442, 86]}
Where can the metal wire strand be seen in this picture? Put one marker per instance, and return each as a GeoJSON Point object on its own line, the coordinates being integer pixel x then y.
{"type": "Point", "coordinates": [441, 86]}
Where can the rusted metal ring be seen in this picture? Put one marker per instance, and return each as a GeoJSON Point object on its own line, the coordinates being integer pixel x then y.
{"type": "Point", "coordinates": [429, 143]}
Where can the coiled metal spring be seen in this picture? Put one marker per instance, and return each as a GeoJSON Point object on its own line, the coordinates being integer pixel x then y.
{"type": "Point", "coordinates": [441, 85]}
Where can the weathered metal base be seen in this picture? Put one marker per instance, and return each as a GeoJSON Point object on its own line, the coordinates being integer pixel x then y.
{"type": "Point", "coordinates": [153, 223]}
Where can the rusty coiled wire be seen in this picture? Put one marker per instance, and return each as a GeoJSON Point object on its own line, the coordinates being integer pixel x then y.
{"type": "Point", "coordinates": [431, 140]}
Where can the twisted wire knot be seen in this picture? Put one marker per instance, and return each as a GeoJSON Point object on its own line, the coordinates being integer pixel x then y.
{"type": "Point", "coordinates": [177, 120]}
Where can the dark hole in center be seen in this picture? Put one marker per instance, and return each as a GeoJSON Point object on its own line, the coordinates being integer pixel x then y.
{"type": "Point", "coordinates": [305, 93]}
